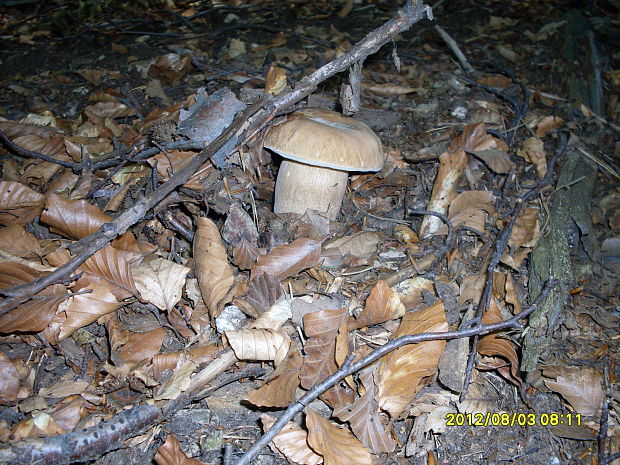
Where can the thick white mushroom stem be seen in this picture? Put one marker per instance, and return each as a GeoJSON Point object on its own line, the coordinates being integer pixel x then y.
{"type": "Point", "coordinates": [302, 187]}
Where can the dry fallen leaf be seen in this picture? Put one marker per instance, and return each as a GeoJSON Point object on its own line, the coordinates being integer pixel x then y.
{"type": "Point", "coordinates": [336, 445]}
{"type": "Point", "coordinates": [170, 453]}
{"type": "Point", "coordinates": [580, 386]}
{"type": "Point", "coordinates": [401, 372]}
{"type": "Point", "coordinates": [74, 219]}
{"type": "Point", "coordinates": [18, 203]}
{"type": "Point", "coordinates": [289, 259]}
{"type": "Point", "coordinates": [259, 344]}
{"type": "Point", "coordinates": [291, 442]}
{"type": "Point", "coordinates": [533, 150]}
{"type": "Point", "coordinates": [382, 305]}
{"type": "Point", "coordinates": [215, 275]}
{"type": "Point", "coordinates": [160, 282]}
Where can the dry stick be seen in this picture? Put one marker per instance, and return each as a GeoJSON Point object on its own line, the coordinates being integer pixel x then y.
{"type": "Point", "coordinates": [29, 154]}
{"type": "Point", "coordinates": [469, 69]}
{"type": "Point", "coordinates": [411, 13]}
{"type": "Point", "coordinates": [348, 369]}
{"type": "Point", "coordinates": [501, 241]}
{"type": "Point", "coordinates": [90, 443]}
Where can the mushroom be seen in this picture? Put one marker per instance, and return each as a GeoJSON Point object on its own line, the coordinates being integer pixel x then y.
{"type": "Point", "coordinates": [319, 148]}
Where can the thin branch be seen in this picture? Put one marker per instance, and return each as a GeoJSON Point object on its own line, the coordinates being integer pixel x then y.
{"type": "Point", "coordinates": [375, 355]}
{"type": "Point", "coordinates": [29, 154]}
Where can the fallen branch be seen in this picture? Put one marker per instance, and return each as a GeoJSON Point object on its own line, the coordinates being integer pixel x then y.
{"type": "Point", "coordinates": [349, 369]}
{"type": "Point", "coordinates": [411, 13]}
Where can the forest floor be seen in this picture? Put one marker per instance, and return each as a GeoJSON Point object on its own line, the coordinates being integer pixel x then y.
{"type": "Point", "coordinates": [104, 87]}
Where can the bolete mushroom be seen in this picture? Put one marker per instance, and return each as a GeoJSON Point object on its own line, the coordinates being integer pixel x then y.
{"type": "Point", "coordinates": [319, 148]}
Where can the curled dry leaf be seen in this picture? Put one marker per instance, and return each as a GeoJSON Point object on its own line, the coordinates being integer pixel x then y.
{"type": "Point", "coordinates": [170, 453]}
{"type": "Point", "coordinates": [382, 305]}
{"type": "Point", "coordinates": [291, 442]}
{"type": "Point", "coordinates": [259, 344]}
{"type": "Point", "coordinates": [18, 204]}
{"type": "Point", "coordinates": [160, 282]}
{"type": "Point", "coordinates": [322, 329]}
{"type": "Point", "coordinates": [276, 316]}
{"type": "Point", "coordinates": [287, 260]}
{"type": "Point", "coordinates": [35, 314]}
{"type": "Point", "coordinates": [336, 445]}
{"type": "Point", "coordinates": [245, 255]}
{"type": "Point", "coordinates": [215, 275]}
{"type": "Point", "coordinates": [365, 419]}
{"type": "Point", "coordinates": [493, 345]}
{"type": "Point", "coordinates": [581, 387]}
{"type": "Point", "coordinates": [74, 219]}
{"type": "Point", "coordinates": [533, 150]}
{"type": "Point", "coordinates": [401, 372]}
{"type": "Point", "coordinates": [279, 391]}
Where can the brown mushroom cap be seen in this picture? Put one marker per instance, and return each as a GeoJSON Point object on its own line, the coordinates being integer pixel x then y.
{"type": "Point", "coordinates": [325, 138]}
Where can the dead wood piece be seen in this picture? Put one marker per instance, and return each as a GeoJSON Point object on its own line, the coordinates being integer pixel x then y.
{"type": "Point", "coordinates": [551, 256]}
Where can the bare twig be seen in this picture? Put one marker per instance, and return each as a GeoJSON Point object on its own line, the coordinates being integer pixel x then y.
{"type": "Point", "coordinates": [29, 154]}
{"type": "Point", "coordinates": [466, 65]}
{"type": "Point", "coordinates": [375, 355]}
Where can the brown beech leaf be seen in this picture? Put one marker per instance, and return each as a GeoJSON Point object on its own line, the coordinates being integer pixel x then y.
{"type": "Point", "coordinates": [548, 124]}
{"type": "Point", "coordinates": [263, 292]}
{"type": "Point", "coordinates": [498, 161]}
{"type": "Point", "coordinates": [259, 344]}
{"type": "Point", "coordinates": [69, 411]}
{"type": "Point", "coordinates": [215, 275]}
{"type": "Point", "coordinates": [18, 204]}
{"type": "Point", "coordinates": [179, 159]}
{"type": "Point", "coordinates": [533, 150]}
{"type": "Point", "coordinates": [132, 348]}
{"type": "Point", "coordinates": [580, 386]}
{"type": "Point", "coordinates": [35, 314]}
{"type": "Point", "coordinates": [114, 266]}
{"type": "Point", "coordinates": [336, 445]}
{"type": "Point", "coordinates": [17, 241]}
{"type": "Point", "coordinates": [291, 442]}
{"type": "Point", "coordinates": [74, 219]}
{"type": "Point", "coordinates": [382, 305]}
{"type": "Point", "coordinates": [83, 309]}
{"type": "Point", "coordinates": [365, 419]}
{"type": "Point", "coordinates": [526, 230]}
{"type": "Point", "coordinates": [9, 379]}
{"type": "Point", "coordinates": [160, 282]}
{"type": "Point", "coordinates": [322, 329]}
{"type": "Point", "coordinates": [287, 260]}
{"type": "Point", "coordinates": [170, 453]}
{"type": "Point", "coordinates": [493, 345]}
{"type": "Point", "coordinates": [245, 255]}
{"type": "Point", "coordinates": [279, 391]}
{"type": "Point", "coordinates": [401, 372]}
